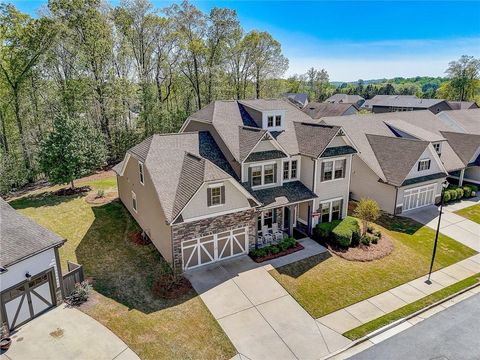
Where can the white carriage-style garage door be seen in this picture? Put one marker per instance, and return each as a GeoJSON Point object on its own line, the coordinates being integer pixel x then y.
{"type": "Point", "coordinates": [210, 248]}
{"type": "Point", "coordinates": [28, 299]}
{"type": "Point", "coordinates": [418, 197]}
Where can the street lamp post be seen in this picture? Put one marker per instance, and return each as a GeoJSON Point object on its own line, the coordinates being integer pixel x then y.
{"type": "Point", "coordinates": [444, 186]}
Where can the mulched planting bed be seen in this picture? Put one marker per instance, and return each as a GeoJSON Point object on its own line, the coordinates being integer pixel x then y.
{"type": "Point", "coordinates": [383, 248]}
{"type": "Point", "coordinates": [69, 191]}
{"type": "Point", "coordinates": [296, 248]}
{"type": "Point", "coordinates": [168, 286]}
{"type": "Point", "coordinates": [96, 200]}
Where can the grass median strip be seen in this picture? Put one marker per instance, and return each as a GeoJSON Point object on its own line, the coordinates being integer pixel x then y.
{"type": "Point", "coordinates": [471, 213]}
{"type": "Point", "coordinates": [409, 309]}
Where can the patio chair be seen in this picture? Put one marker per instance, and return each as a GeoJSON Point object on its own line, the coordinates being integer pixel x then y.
{"type": "Point", "coordinates": [267, 236]}
{"type": "Point", "coordinates": [277, 234]}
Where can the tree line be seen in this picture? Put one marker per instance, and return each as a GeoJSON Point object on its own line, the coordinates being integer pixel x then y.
{"type": "Point", "coordinates": [124, 71]}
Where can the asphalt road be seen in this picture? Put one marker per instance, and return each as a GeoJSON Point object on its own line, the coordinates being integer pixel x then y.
{"type": "Point", "coordinates": [452, 334]}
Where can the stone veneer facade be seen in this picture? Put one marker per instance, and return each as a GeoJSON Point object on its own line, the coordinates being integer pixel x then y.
{"type": "Point", "coordinates": [194, 229]}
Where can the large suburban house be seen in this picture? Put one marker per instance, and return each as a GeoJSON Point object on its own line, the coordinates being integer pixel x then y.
{"type": "Point", "coordinates": [318, 110]}
{"type": "Point", "coordinates": [394, 103]}
{"type": "Point", "coordinates": [400, 173]}
{"type": "Point", "coordinates": [356, 100]}
{"type": "Point", "coordinates": [237, 171]}
{"type": "Point", "coordinates": [30, 273]}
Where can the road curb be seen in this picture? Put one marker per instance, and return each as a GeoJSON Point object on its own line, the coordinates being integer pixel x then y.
{"type": "Point", "coordinates": [398, 322]}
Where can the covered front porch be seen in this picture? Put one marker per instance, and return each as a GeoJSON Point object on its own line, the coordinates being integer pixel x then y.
{"type": "Point", "coordinates": [287, 211]}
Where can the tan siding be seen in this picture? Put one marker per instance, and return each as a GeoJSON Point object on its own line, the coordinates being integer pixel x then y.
{"type": "Point", "coordinates": [338, 141]}
{"type": "Point", "coordinates": [364, 184]}
{"type": "Point", "coordinates": [234, 199]}
{"type": "Point", "coordinates": [264, 145]}
{"type": "Point", "coordinates": [306, 171]}
{"type": "Point", "coordinates": [149, 213]}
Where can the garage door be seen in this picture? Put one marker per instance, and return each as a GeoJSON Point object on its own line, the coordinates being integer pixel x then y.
{"type": "Point", "coordinates": [215, 247]}
{"type": "Point", "coordinates": [28, 299]}
{"type": "Point", "coordinates": [418, 197]}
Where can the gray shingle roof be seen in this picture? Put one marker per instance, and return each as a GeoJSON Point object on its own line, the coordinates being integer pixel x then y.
{"type": "Point", "coordinates": [464, 145]}
{"type": "Point", "coordinates": [402, 101]}
{"type": "Point", "coordinates": [462, 120]}
{"type": "Point", "coordinates": [397, 164]}
{"type": "Point", "coordinates": [422, 179]}
{"type": "Point", "coordinates": [314, 138]}
{"type": "Point", "coordinates": [462, 105]}
{"type": "Point", "coordinates": [345, 98]}
{"type": "Point", "coordinates": [21, 237]}
{"type": "Point", "coordinates": [289, 192]}
{"type": "Point", "coordinates": [177, 167]}
{"type": "Point", "coordinates": [318, 110]}
{"type": "Point", "coordinates": [338, 150]}
{"type": "Point", "coordinates": [265, 155]}
{"type": "Point", "coordinates": [247, 139]}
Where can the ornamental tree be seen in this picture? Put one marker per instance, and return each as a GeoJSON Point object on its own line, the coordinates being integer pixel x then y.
{"type": "Point", "coordinates": [368, 211]}
{"type": "Point", "coordinates": [71, 150]}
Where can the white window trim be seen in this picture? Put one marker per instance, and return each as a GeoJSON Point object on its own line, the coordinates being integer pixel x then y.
{"type": "Point", "coordinates": [134, 197]}
{"type": "Point", "coordinates": [262, 165]}
{"type": "Point", "coordinates": [262, 218]}
{"type": "Point", "coordinates": [290, 178]}
{"type": "Point", "coordinates": [330, 202]}
{"type": "Point", "coordinates": [424, 161]}
{"type": "Point", "coordinates": [333, 170]}
{"type": "Point", "coordinates": [216, 186]}
{"type": "Point", "coordinates": [141, 173]}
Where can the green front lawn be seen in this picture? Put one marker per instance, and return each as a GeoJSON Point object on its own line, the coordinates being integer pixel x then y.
{"type": "Point", "coordinates": [97, 238]}
{"type": "Point", "coordinates": [471, 213]}
{"type": "Point", "coordinates": [323, 284]}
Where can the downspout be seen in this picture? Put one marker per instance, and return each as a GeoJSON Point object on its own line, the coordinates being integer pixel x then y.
{"type": "Point", "coordinates": [395, 204]}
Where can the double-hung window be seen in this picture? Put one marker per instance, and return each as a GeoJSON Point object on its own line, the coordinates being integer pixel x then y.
{"type": "Point", "coordinates": [290, 169]}
{"type": "Point", "coordinates": [268, 175]}
{"type": "Point", "coordinates": [140, 171]}
{"type": "Point", "coordinates": [270, 121]}
{"type": "Point", "coordinates": [256, 176]}
{"type": "Point", "coordinates": [216, 195]}
{"type": "Point", "coordinates": [424, 164]}
{"type": "Point", "coordinates": [437, 148]}
{"type": "Point", "coordinates": [333, 169]}
{"type": "Point", "coordinates": [278, 120]}
{"type": "Point", "coordinates": [330, 210]}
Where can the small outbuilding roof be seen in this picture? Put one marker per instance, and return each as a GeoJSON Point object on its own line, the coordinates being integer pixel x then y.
{"type": "Point", "coordinates": [21, 237]}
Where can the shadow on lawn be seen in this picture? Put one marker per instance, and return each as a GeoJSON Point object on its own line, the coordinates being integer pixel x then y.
{"type": "Point", "coordinates": [299, 268]}
{"type": "Point", "coordinates": [42, 199]}
{"type": "Point", "coordinates": [120, 269]}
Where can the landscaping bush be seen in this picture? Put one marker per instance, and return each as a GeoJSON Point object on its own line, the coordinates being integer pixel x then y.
{"type": "Point", "coordinates": [446, 196]}
{"type": "Point", "coordinates": [473, 189]}
{"type": "Point", "coordinates": [274, 249]}
{"type": "Point", "coordinates": [343, 232]}
{"type": "Point", "coordinates": [283, 245]}
{"type": "Point", "coordinates": [370, 229]}
{"type": "Point", "coordinates": [323, 231]}
{"type": "Point", "coordinates": [467, 191]}
{"type": "Point", "coordinates": [356, 238]}
{"type": "Point", "coordinates": [80, 294]}
{"type": "Point", "coordinates": [453, 194]}
{"type": "Point", "coordinates": [375, 240]}
{"type": "Point", "coordinates": [459, 192]}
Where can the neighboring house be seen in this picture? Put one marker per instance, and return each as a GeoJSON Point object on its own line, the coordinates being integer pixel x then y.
{"type": "Point", "coordinates": [30, 273]}
{"type": "Point", "coordinates": [401, 174]}
{"type": "Point", "coordinates": [318, 110]}
{"type": "Point", "coordinates": [462, 105]}
{"type": "Point", "coordinates": [356, 100]}
{"type": "Point", "coordinates": [299, 100]}
{"type": "Point", "coordinates": [458, 148]}
{"type": "Point", "coordinates": [394, 103]}
{"type": "Point", "coordinates": [236, 170]}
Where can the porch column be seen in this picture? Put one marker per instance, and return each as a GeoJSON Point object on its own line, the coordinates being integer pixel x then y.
{"type": "Point", "coordinates": [290, 220]}
{"type": "Point", "coordinates": [460, 180]}
{"type": "Point", "coordinates": [309, 220]}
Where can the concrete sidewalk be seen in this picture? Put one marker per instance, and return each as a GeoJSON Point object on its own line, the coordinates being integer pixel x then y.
{"type": "Point", "coordinates": [455, 226]}
{"type": "Point", "coordinates": [261, 319]}
{"type": "Point", "coordinates": [367, 310]}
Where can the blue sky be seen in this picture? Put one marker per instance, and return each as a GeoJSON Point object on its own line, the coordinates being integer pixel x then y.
{"type": "Point", "coordinates": [357, 39]}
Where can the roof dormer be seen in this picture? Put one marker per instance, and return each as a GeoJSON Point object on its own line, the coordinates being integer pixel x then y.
{"type": "Point", "coordinates": [273, 120]}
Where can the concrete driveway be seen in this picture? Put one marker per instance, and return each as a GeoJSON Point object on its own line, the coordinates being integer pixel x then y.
{"type": "Point", "coordinates": [66, 333]}
{"type": "Point", "coordinates": [455, 226]}
{"type": "Point", "coordinates": [261, 319]}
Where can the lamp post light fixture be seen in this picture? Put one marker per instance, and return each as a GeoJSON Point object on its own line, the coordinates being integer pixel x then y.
{"type": "Point", "coordinates": [444, 187]}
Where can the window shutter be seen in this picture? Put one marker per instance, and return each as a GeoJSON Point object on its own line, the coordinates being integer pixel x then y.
{"type": "Point", "coordinates": [275, 173]}
{"type": "Point", "coordinates": [322, 173]}
{"type": "Point", "coordinates": [418, 167]}
{"type": "Point", "coordinates": [249, 176]}
{"type": "Point", "coordinates": [341, 209]}
{"type": "Point", "coordinates": [344, 168]}
{"type": "Point", "coordinates": [429, 162]}
{"type": "Point", "coordinates": [209, 197]}
{"type": "Point", "coordinates": [222, 195]}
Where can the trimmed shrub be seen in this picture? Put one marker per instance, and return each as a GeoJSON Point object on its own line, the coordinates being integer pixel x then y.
{"type": "Point", "coordinates": [370, 229]}
{"type": "Point", "coordinates": [446, 196]}
{"type": "Point", "coordinates": [377, 233]}
{"type": "Point", "coordinates": [274, 249]}
{"type": "Point", "coordinates": [375, 240]}
{"type": "Point", "coordinates": [343, 232]}
{"type": "Point", "coordinates": [467, 191]}
{"type": "Point", "coordinates": [356, 238]}
{"type": "Point", "coordinates": [366, 239]}
{"type": "Point", "coordinates": [453, 194]}
{"type": "Point", "coordinates": [323, 231]}
{"type": "Point", "coordinates": [459, 193]}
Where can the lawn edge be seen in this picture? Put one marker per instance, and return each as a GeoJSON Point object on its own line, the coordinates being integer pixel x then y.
{"type": "Point", "coordinates": [382, 328]}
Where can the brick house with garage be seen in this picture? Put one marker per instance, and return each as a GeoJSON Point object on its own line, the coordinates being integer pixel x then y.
{"type": "Point", "coordinates": [236, 171]}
